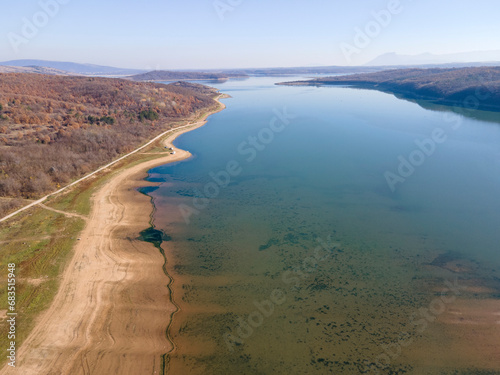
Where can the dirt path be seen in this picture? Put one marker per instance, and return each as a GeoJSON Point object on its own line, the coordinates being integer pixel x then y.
{"type": "Point", "coordinates": [112, 308]}
{"type": "Point", "coordinates": [43, 199]}
{"type": "Point", "coordinates": [69, 214]}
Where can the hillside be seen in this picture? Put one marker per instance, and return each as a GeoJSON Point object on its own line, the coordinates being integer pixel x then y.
{"type": "Point", "coordinates": [166, 75]}
{"type": "Point", "coordinates": [75, 68]}
{"type": "Point", "coordinates": [54, 129]}
{"type": "Point", "coordinates": [33, 69]}
{"type": "Point", "coordinates": [393, 58]}
{"type": "Point", "coordinates": [441, 86]}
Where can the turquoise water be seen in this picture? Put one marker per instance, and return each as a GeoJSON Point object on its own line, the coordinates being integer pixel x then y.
{"type": "Point", "coordinates": [318, 175]}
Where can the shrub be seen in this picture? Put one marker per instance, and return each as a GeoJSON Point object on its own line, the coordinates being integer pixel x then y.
{"type": "Point", "coordinates": [148, 115]}
{"type": "Point", "coordinates": [107, 120]}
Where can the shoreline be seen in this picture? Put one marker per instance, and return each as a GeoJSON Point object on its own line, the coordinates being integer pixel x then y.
{"type": "Point", "coordinates": [109, 314]}
{"type": "Point", "coordinates": [400, 94]}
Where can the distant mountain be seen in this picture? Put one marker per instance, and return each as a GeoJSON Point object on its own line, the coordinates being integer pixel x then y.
{"type": "Point", "coordinates": [308, 70]}
{"type": "Point", "coordinates": [166, 75]}
{"type": "Point", "coordinates": [34, 69]}
{"type": "Point", "coordinates": [71, 67]}
{"type": "Point", "coordinates": [475, 58]}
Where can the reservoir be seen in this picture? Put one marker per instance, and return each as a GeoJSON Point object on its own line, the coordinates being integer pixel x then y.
{"type": "Point", "coordinates": [322, 230]}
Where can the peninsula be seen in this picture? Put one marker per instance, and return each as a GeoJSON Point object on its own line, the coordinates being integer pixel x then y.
{"type": "Point", "coordinates": [473, 88]}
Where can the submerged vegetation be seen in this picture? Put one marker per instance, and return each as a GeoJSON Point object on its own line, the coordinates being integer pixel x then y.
{"type": "Point", "coordinates": [154, 236]}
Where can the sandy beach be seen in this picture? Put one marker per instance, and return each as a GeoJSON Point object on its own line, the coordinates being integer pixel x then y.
{"type": "Point", "coordinates": [113, 307]}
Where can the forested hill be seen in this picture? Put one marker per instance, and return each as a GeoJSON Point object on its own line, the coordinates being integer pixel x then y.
{"type": "Point", "coordinates": [464, 86]}
{"type": "Point", "coordinates": [165, 75]}
{"type": "Point", "coordinates": [54, 129]}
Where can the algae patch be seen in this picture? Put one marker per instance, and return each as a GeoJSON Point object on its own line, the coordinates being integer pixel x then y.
{"type": "Point", "coordinates": [154, 236]}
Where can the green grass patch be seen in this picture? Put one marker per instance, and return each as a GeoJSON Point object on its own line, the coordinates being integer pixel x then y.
{"type": "Point", "coordinates": [76, 200]}
{"type": "Point", "coordinates": [39, 243]}
{"type": "Point", "coordinates": [160, 150]}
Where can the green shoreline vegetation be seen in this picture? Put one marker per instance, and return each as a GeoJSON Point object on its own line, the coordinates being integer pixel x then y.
{"type": "Point", "coordinates": [40, 242]}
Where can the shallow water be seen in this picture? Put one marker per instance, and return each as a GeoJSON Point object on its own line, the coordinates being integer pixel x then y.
{"type": "Point", "coordinates": [303, 260]}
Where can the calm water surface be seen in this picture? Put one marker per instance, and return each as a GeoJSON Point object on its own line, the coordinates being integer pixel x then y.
{"type": "Point", "coordinates": [305, 261]}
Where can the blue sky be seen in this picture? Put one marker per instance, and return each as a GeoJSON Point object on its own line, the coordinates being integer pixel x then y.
{"type": "Point", "coordinates": [191, 34]}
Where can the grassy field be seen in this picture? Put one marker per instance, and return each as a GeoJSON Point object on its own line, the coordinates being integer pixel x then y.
{"type": "Point", "coordinates": [38, 243]}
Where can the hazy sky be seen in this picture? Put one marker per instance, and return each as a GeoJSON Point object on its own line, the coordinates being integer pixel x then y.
{"type": "Point", "coordinates": [163, 34]}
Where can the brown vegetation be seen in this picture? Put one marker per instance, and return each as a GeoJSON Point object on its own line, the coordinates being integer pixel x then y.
{"type": "Point", "coordinates": [165, 75]}
{"type": "Point", "coordinates": [54, 129]}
